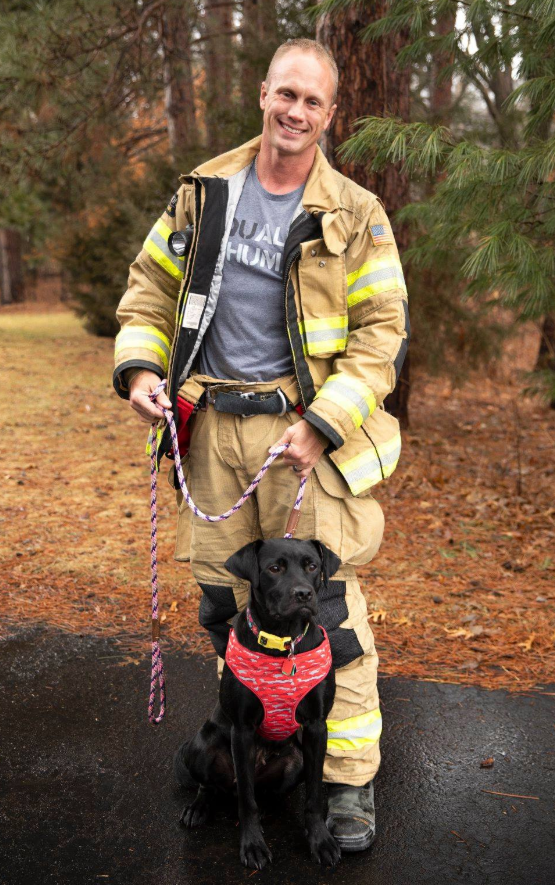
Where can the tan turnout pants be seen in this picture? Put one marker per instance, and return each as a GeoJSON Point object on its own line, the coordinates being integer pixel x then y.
{"type": "Point", "coordinates": [226, 452]}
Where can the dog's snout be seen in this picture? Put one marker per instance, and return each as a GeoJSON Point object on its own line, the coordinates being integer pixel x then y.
{"type": "Point", "coordinates": [303, 594]}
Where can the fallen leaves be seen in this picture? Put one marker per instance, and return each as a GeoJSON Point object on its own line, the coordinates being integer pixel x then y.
{"type": "Point", "coordinates": [527, 646]}
{"type": "Point", "coordinates": [454, 524]}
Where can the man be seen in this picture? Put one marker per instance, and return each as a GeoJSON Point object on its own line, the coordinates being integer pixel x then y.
{"type": "Point", "coordinates": [287, 322]}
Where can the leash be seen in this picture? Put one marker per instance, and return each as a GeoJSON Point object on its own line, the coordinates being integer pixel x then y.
{"type": "Point", "coordinates": [157, 671]}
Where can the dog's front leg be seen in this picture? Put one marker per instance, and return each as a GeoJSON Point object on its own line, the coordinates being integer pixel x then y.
{"type": "Point", "coordinates": [323, 846]}
{"type": "Point", "coordinates": [254, 852]}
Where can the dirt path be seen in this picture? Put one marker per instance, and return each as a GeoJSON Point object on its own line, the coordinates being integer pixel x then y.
{"type": "Point", "coordinates": [462, 589]}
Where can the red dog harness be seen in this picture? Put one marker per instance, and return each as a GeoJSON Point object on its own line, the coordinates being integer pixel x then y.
{"type": "Point", "coordinates": [279, 694]}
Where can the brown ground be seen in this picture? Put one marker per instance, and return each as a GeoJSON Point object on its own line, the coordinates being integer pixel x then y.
{"type": "Point", "coordinates": [462, 589]}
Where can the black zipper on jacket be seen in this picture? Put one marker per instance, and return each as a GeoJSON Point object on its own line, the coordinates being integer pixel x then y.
{"type": "Point", "coordinates": [292, 254]}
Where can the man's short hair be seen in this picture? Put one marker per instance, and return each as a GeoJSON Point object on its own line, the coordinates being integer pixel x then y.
{"type": "Point", "coordinates": [306, 45]}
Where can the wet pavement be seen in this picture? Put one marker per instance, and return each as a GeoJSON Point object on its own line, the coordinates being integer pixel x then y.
{"type": "Point", "coordinates": [88, 792]}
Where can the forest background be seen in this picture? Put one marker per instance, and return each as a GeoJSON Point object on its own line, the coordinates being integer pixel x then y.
{"type": "Point", "coordinates": [446, 112]}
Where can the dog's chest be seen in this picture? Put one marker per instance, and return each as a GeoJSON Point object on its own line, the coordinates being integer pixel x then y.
{"type": "Point", "coordinates": [279, 693]}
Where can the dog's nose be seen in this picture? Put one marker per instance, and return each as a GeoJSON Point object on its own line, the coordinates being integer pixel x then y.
{"type": "Point", "coordinates": [303, 594]}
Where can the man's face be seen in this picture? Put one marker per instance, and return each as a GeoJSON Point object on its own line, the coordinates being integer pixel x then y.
{"type": "Point", "coordinates": [297, 102]}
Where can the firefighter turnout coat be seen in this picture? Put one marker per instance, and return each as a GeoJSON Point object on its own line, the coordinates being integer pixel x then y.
{"type": "Point", "coordinates": [344, 306]}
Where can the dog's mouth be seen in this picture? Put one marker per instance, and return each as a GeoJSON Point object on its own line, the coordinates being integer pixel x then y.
{"type": "Point", "coordinates": [305, 609]}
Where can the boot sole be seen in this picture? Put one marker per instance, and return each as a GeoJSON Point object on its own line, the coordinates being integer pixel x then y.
{"type": "Point", "coordinates": [361, 843]}
{"type": "Point", "coordinates": [353, 845]}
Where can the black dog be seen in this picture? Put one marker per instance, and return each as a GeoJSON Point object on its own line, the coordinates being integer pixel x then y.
{"type": "Point", "coordinates": [227, 753]}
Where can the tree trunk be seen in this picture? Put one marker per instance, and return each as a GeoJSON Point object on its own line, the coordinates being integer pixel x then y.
{"type": "Point", "coordinates": [219, 74]}
{"type": "Point", "coordinates": [259, 40]}
{"type": "Point", "coordinates": [369, 84]}
{"type": "Point", "coordinates": [11, 267]}
{"type": "Point", "coordinates": [178, 77]}
{"type": "Point", "coordinates": [546, 352]}
{"type": "Point", "coordinates": [441, 94]}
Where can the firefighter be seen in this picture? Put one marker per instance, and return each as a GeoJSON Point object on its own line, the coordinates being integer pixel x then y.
{"type": "Point", "coordinates": [285, 322]}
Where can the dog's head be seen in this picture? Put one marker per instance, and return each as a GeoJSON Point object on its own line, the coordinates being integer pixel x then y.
{"type": "Point", "coordinates": [285, 574]}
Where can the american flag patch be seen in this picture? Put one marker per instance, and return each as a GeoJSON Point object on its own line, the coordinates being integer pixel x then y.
{"type": "Point", "coordinates": [381, 234]}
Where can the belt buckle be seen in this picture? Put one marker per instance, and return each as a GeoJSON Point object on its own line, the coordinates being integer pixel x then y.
{"type": "Point", "coordinates": [207, 399]}
{"type": "Point", "coordinates": [246, 394]}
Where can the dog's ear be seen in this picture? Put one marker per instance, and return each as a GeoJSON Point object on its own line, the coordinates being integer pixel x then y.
{"type": "Point", "coordinates": [244, 563]}
{"type": "Point", "coordinates": [330, 561]}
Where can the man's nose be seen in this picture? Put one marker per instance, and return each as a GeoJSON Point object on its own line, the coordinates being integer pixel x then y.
{"type": "Point", "coordinates": [303, 594]}
{"type": "Point", "coordinates": [296, 110]}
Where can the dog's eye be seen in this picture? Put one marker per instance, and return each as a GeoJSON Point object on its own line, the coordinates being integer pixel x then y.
{"type": "Point", "coordinates": [311, 566]}
{"type": "Point", "coordinates": [274, 568]}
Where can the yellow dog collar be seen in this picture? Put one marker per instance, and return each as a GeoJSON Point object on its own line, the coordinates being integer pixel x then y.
{"type": "Point", "coordinates": [268, 640]}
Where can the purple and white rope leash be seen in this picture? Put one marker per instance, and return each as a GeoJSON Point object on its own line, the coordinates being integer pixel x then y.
{"type": "Point", "coordinates": [157, 672]}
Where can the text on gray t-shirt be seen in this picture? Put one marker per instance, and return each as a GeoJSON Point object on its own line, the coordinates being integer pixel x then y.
{"type": "Point", "coordinates": [247, 337]}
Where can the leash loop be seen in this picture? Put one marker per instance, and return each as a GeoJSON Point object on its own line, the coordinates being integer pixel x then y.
{"type": "Point", "coordinates": [157, 671]}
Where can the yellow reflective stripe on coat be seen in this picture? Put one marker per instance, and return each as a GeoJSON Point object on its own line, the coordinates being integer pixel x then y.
{"type": "Point", "coordinates": [328, 335]}
{"type": "Point", "coordinates": [352, 395]}
{"type": "Point", "coordinates": [374, 277]}
{"type": "Point", "coordinates": [371, 466]}
{"type": "Point", "coordinates": [156, 244]}
{"type": "Point", "coordinates": [144, 338]}
{"type": "Point", "coordinates": [356, 732]}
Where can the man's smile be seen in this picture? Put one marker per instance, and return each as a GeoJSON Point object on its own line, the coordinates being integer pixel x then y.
{"type": "Point", "coordinates": [290, 128]}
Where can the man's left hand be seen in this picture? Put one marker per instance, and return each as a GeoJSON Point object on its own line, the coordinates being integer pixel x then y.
{"type": "Point", "coordinates": [305, 448]}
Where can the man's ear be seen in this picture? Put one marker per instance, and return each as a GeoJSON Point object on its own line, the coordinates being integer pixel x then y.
{"type": "Point", "coordinates": [330, 561]}
{"type": "Point", "coordinates": [244, 563]}
{"type": "Point", "coordinates": [329, 117]}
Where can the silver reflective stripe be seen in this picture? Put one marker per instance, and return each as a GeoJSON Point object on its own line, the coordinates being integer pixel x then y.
{"type": "Point", "coordinates": [235, 187]}
{"type": "Point", "coordinates": [391, 457]}
{"type": "Point", "coordinates": [140, 336]}
{"type": "Point", "coordinates": [365, 731]}
{"type": "Point", "coordinates": [162, 244]}
{"type": "Point", "coordinates": [351, 395]}
{"type": "Point", "coordinates": [326, 335]}
{"type": "Point", "coordinates": [368, 467]}
{"type": "Point", "coordinates": [375, 276]}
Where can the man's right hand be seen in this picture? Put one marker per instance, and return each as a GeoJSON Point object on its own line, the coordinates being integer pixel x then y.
{"type": "Point", "coordinates": [139, 389]}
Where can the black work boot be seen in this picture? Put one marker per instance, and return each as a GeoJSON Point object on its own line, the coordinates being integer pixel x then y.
{"type": "Point", "coordinates": [351, 815]}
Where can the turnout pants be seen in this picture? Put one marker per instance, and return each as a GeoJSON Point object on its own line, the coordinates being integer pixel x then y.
{"type": "Point", "coordinates": [226, 452]}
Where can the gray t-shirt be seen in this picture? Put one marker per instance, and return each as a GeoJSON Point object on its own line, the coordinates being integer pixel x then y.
{"type": "Point", "coordinates": [247, 337]}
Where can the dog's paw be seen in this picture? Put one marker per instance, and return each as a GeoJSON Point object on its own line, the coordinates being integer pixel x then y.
{"type": "Point", "coordinates": [323, 847]}
{"type": "Point", "coordinates": [254, 852]}
{"type": "Point", "coordinates": [196, 814]}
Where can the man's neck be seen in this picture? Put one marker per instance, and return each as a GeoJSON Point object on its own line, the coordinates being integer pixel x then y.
{"type": "Point", "coordinates": [280, 173]}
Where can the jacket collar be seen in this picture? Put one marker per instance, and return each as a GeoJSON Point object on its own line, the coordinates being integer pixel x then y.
{"type": "Point", "coordinates": [320, 197]}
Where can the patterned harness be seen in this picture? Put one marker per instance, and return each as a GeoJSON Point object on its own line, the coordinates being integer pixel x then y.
{"type": "Point", "coordinates": [278, 693]}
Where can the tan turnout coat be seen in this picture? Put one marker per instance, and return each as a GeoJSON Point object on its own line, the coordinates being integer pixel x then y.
{"type": "Point", "coordinates": [344, 296]}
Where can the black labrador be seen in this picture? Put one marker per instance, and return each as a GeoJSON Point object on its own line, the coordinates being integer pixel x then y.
{"type": "Point", "coordinates": [227, 754]}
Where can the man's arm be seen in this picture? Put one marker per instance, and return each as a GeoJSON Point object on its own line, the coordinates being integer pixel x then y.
{"type": "Point", "coordinates": [367, 370]}
{"type": "Point", "coordinates": [146, 312]}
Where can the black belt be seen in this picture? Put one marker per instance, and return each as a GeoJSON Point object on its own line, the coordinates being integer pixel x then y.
{"type": "Point", "coordinates": [246, 402]}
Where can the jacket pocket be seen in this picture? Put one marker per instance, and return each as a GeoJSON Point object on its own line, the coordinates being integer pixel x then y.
{"type": "Point", "coordinates": [323, 320]}
{"type": "Point", "coordinates": [354, 525]}
{"type": "Point", "coordinates": [370, 454]}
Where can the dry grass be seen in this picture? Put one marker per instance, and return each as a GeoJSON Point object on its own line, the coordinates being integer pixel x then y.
{"type": "Point", "coordinates": [462, 589]}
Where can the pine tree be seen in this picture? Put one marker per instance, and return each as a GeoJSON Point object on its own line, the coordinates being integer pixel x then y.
{"type": "Point", "coordinates": [488, 217]}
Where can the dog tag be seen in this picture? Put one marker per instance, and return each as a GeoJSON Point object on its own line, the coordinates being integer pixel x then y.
{"type": "Point", "coordinates": [289, 667]}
